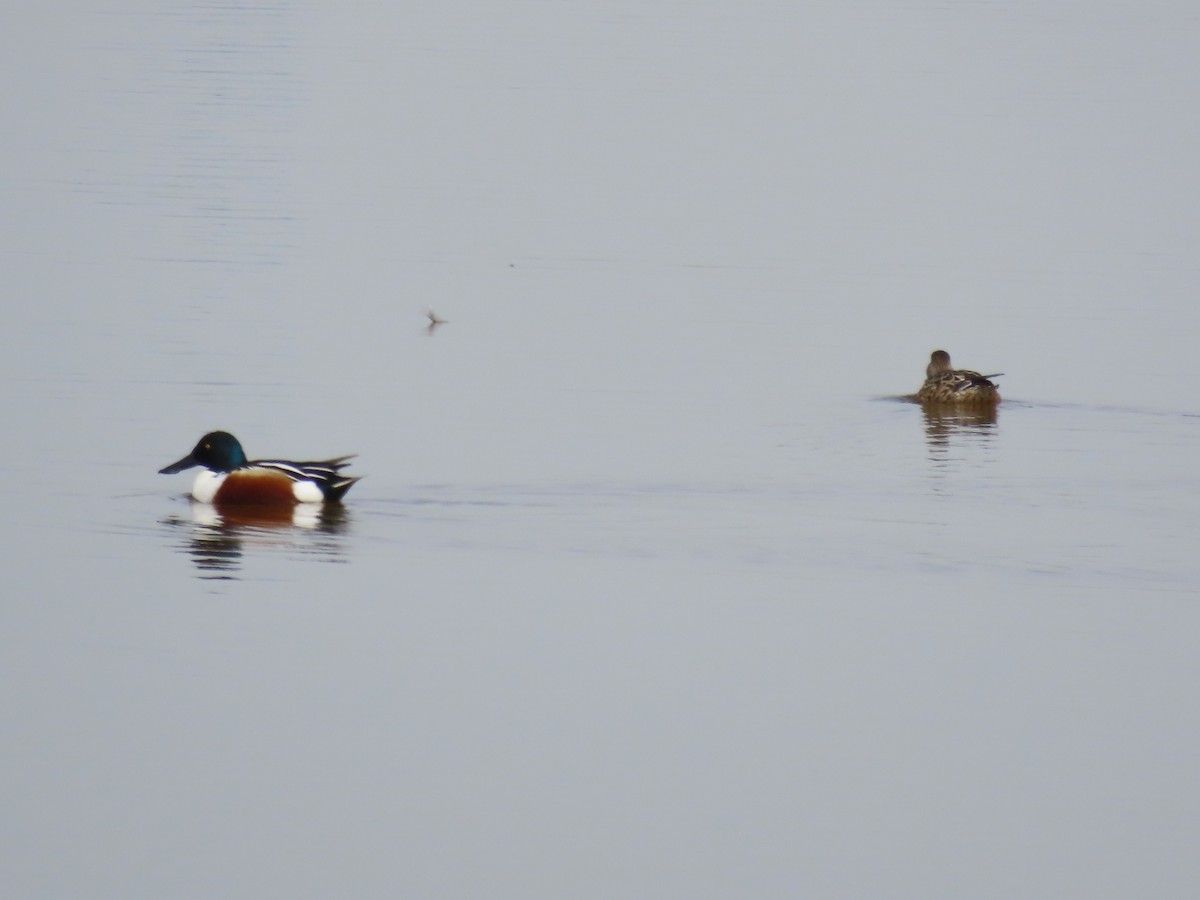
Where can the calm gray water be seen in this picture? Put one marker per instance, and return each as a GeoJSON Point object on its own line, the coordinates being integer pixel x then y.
{"type": "Point", "coordinates": [653, 587]}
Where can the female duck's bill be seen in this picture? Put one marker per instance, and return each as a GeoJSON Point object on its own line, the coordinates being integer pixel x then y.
{"type": "Point", "coordinates": [227, 477]}
{"type": "Point", "coordinates": [946, 384]}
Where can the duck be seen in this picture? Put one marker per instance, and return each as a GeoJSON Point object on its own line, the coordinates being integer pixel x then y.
{"type": "Point", "coordinates": [945, 384]}
{"type": "Point", "coordinates": [228, 477]}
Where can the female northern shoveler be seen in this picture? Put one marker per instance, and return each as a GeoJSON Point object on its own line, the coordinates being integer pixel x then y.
{"type": "Point", "coordinates": [228, 477]}
{"type": "Point", "coordinates": [945, 384]}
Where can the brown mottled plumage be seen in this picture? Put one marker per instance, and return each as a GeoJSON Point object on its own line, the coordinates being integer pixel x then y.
{"type": "Point", "coordinates": [961, 387]}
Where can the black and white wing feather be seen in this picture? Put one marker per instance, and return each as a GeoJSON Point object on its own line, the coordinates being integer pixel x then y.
{"type": "Point", "coordinates": [325, 473]}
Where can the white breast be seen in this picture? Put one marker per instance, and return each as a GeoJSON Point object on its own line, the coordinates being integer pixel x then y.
{"type": "Point", "coordinates": [206, 485]}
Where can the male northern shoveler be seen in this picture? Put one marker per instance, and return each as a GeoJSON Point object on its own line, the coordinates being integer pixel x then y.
{"type": "Point", "coordinates": [946, 384]}
{"type": "Point", "coordinates": [228, 477]}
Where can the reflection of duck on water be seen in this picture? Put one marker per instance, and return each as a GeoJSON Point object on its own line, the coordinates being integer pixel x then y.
{"type": "Point", "coordinates": [231, 517]}
{"type": "Point", "coordinates": [220, 534]}
{"type": "Point", "coordinates": [943, 422]}
{"type": "Point", "coordinates": [947, 385]}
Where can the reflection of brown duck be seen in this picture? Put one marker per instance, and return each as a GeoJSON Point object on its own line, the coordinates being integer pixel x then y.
{"type": "Point", "coordinates": [957, 387]}
{"type": "Point", "coordinates": [239, 518]}
{"type": "Point", "coordinates": [942, 422]}
{"type": "Point", "coordinates": [219, 534]}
